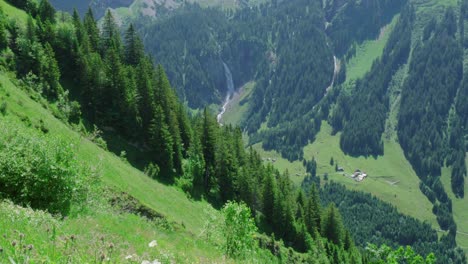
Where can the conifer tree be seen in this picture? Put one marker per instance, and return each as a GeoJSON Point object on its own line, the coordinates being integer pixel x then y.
{"type": "Point", "coordinates": [134, 50]}
{"type": "Point", "coordinates": [46, 12]}
{"type": "Point", "coordinates": [161, 143]}
{"type": "Point", "coordinates": [269, 197]}
{"type": "Point", "coordinates": [110, 35]}
{"type": "Point", "coordinates": [208, 140]}
{"type": "Point", "coordinates": [332, 225]}
{"type": "Point", "coordinates": [92, 30]}
{"type": "Point", "coordinates": [313, 211]}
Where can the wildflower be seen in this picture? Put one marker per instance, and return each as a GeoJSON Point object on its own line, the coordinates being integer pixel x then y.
{"type": "Point", "coordinates": [153, 244]}
{"type": "Point", "coordinates": [13, 243]}
{"type": "Point", "coordinates": [111, 245]}
{"type": "Point", "coordinates": [72, 237]}
{"type": "Point", "coordinates": [30, 247]}
{"type": "Point", "coordinates": [1, 250]}
{"type": "Point", "coordinates": [129, 257]}
{"type": "Point", "coordinates": [21, 236]}
{"type": "Point", "coordinates": [103, 256]}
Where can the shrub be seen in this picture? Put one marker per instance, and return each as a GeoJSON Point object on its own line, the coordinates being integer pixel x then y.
{"type": "Point", "coordinates": [39, 171]}
{"type": "Point", "coordinates": [239, 230]}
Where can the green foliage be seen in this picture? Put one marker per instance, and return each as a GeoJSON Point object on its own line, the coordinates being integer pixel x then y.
{"type": "Point", "coordinates": [39, 172]}
{"type": "Point", "coordinates": [46, 11]}
{"type": "Point", "coordinates": [239, 230]}
{"type": "Point", "coordinates": [385, 254]}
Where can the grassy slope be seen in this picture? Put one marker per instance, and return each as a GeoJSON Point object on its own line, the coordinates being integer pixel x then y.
{"type": "Point", "coordinates": [367, 53]}
{"type": "Point", "coordinates": [13, 12]}
{"type": "Point", "coordinates": [391, 177]}
{"type": "Point", "coordinates": [460, 208]}
{"type": "Point", "coordinates": [235, 111]}
{"type": "Point", "coordinates": [170, 202]}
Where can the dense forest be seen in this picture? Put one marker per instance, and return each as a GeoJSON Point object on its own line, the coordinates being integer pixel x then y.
{"type": "Point", "coordinates": [369, 220]}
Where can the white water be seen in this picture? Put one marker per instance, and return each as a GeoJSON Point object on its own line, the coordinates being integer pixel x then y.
{"type": "Point", "coordinates": [230, 91]}
{"type": "Point", "coordinates": [335, 73]}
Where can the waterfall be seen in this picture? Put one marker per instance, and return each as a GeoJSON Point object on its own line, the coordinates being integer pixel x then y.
{"type": "Point", "coordinates": [230, 91]}
{"type": "Point", "coordinates": [336, 71]}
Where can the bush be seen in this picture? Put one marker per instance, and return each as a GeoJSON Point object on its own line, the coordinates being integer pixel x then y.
{"type": "Point", "coordinates": [38, 171]}
{"type": "Point", "coordinates": [239, 230]}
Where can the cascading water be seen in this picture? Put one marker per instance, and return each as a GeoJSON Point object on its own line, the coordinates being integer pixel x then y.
{"type": "Point", "coordinates": [230, 91]}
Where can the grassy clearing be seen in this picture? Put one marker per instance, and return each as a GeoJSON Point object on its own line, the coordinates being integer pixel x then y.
{"type": "Point", "coordinates": [460, 208]}
{"type": "Point", "coordinates": [295, 169]}
{"type": "Point", "coordinates": [391, 177]}
{"type": "Point", "coordinates": [367, 53]}
{"type": "Point", "coordinates": [239, 105]}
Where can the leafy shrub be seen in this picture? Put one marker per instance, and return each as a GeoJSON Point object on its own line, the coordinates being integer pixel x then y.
{"type": "Point", "coordinates": [239, 230]}
{"type": "Point", "coordinates": [38, 171]}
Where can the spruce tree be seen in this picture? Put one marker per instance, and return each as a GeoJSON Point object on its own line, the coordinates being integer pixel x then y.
{"type": "Point", "coordinates": [208, 140]}
{"type": "Point", "coordinates": [332, 225]}
{"type": "Point", "coordinates": [313, 212]}
{"type": "Point", "coordinates": [134, 50]}
{"type": "Point", "coordinates": [161, 143]}
{"type": "Point", "coordinates": [46, 12]}
{"type": "Point", "coordinates": [92, 30]}
{"type": "Point", "coordinates": [110, 35]}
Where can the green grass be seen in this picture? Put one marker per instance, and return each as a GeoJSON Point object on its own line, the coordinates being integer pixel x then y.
{"type": "Point", "coordinates": [391, 177]}
{"type": "Point", "coordinates": [239, 105]}
{"type": "Point", "coordinates": [460, 208]}
{"type": "Point", "coordinates": [13, 12]}
{"type": "Point", "coordinates": [367, 53]}
{"type": "Point", "coordinates": [296, 169]}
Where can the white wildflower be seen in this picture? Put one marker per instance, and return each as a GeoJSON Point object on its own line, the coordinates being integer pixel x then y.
{"type": "Point", "coordinates": [129, 257]}
{"type": "Point", "coordinates": [153, 244]}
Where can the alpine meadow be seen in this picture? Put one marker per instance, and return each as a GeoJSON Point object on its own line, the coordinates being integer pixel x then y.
{"type": "Point", "coordinates": [234, 131]}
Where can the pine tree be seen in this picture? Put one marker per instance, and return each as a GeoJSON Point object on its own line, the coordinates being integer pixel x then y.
{"type": "Point", "coordinates": [269, 197]}
{"type": "Point", "coordinates": [145, 87]}
{"type": "Point", "coordinates": [225, 170]}
{"type": "Point", "coordinates": [166, 98]}
{"type": "Point", "coordinates": [110, 35]}
{"type": "Point", "coordinates": [186, 133]}
{"type": "Point", "coordinates": [46, 12]}
{"type": "Point", "coordinates": [208, 140]}
{"type": "Point", "coordinates": [92, 30]}
{"type": "Point", "coordinates": [134, 50]}
{"type": "Point", "coordinates": [50, 72]}
{"type": "Point", "coordinates": [161, 144]}
{"type": "Point", "coordinates": [313, 211]}
{"type": "Point", "coordinates": [332, 225]}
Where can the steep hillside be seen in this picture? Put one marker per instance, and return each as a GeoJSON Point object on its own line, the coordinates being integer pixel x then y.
{"type": "Point", "coordinates": [378, 68]}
